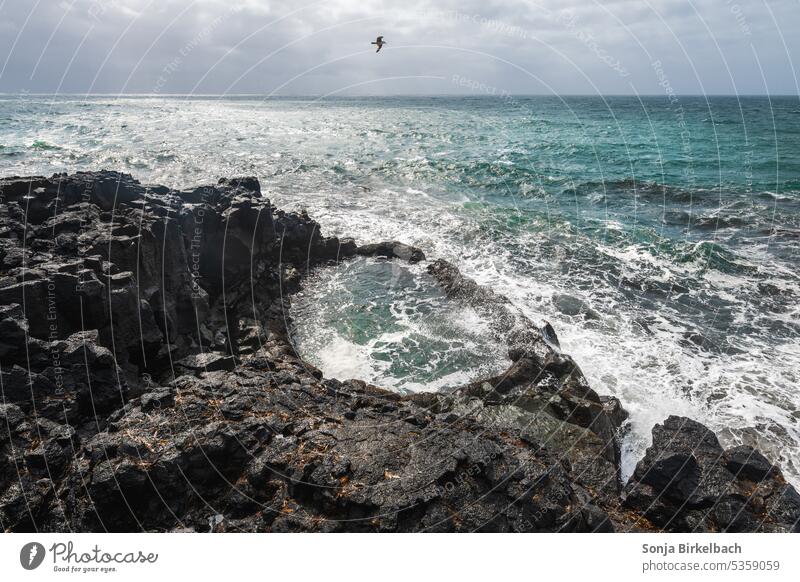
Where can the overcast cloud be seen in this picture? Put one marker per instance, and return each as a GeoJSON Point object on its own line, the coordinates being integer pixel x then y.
{"type": "Point", "coordinates": [469, 46]}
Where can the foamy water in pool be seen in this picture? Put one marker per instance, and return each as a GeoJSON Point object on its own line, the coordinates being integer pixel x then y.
{"type": "Point", "coordinates": [392, 324]}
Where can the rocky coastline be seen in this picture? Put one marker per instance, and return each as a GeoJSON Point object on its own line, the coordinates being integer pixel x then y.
{"type": "Point", "coordinates": [149, 383]}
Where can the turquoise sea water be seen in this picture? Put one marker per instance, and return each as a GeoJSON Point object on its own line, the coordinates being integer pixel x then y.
{"type": "Point", "coordinates": [661, 239]}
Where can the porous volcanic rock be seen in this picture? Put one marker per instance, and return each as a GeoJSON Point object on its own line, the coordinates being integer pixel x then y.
{"type": "Point", "coordinates": [688, 482]}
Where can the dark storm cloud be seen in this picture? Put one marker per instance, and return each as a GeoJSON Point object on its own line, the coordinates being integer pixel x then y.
{"type": "Point", "coordinates": [307, 47]}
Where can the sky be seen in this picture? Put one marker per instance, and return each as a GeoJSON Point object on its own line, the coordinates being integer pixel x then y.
{"type": "Point", "coordinates": [492, 47]}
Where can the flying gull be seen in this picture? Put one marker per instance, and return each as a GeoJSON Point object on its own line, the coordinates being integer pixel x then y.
{"type": "Point", "coordinates": [380, 42]}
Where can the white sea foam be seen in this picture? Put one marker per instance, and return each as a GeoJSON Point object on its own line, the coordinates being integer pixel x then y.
{"type": "Point", "coordinates": [343, 359]}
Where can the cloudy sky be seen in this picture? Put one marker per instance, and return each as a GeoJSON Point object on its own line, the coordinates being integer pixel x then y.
{"type": "Point", "coordinates": [301, 47]}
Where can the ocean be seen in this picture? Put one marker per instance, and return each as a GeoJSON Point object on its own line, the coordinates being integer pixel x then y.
{"type": "Point", "coordinates": [659, 236]}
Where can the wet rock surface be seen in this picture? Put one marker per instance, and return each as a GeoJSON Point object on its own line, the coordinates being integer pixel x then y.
{"type": "Point", "coordinates": [688, 482]}
{"type": "Point", "coordinates": [149, 383]}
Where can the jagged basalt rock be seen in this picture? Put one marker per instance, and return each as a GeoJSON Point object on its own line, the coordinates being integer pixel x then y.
{"type": "Point", "coordinates": [149, 382]}
{"type": "Point", "coordinates": [543, 392]}
{"type": "Point", "coordinates": [688, 482]}
{"type": "Point", "coordinates": [391, 250]}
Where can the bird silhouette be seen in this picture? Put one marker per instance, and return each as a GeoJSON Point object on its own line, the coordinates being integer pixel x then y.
{"type": "Point", "coordinates": [380, 42]}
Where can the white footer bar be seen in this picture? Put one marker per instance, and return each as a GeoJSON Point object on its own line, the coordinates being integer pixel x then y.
{"type": "Point", "coordinates": [415, 558]}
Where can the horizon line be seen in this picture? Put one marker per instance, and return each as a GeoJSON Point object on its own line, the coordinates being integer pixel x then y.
{"type": "Point", "coordinates": [394, 95]}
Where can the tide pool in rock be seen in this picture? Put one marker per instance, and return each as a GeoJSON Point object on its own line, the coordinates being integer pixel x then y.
{"type": "Point", "coordinates": [390, 324]}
